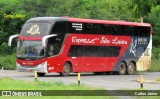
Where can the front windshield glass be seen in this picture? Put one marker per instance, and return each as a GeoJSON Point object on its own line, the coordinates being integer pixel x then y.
{"type": "Point", "coordinates": [35, 29]}
{"type": "Point", "coordinates": [30, 49]}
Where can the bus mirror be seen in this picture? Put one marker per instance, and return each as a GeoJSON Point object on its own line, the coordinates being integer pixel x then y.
{"type": "Point", "coordinates": [45, 38]}
{"type": "Point", "coordinates": [11, 38]}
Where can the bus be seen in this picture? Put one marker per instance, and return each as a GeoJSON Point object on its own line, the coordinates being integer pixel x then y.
{"type": "Point", "coordinates": [64, 45]}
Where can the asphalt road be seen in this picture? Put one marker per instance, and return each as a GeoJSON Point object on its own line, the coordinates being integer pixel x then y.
{"type": "Point", "coordinates": [110, 81]}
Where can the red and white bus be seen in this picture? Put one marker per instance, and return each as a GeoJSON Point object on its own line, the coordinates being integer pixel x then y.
{"type": "Point", "coordinates": [64, 45]}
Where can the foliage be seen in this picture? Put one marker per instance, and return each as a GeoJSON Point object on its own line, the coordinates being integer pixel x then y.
{"type": "Point", "coordinates": [8, 62]}
{"type": "Point", "coordinates": [155, 65]}
{"type": "Point", "coordinates": [154, 18]}
{"type": "Point", "coordinates": [12, 84]}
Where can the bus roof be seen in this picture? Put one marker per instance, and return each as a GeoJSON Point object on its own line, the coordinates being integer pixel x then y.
{"type": "Point", "coordinates": [53, 19]}
{"type": "Point", "coordinates": [108, 22]}
{"type": "Point", "coordinates": [47, 19]}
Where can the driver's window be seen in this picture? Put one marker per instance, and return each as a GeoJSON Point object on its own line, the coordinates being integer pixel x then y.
{"type": "Point", "coordinates": [51, 49]}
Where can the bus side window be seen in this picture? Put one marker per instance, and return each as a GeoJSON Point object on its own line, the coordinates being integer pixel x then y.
{"type": "Point", "coordinates": [89, 28]}
{"type": "Point", "coordinates": [59, 27]}
{"type": "Point", "coordinates": [124, 30]}
{"type": "Point", "coordinates": [51, 49]}
{"type": "Point", "coordinates": [144, 31]}
{"type": "Point", "coordinates": [103, 29]}
{"type": "Point", "coordinates": [57, 48]}
{"type": "Point", "coordinates": [131, 31]}
{"type": "Point", "coordinates": [76, 51]}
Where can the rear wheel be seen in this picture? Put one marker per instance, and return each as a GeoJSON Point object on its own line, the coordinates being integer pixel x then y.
{"type": "Point", "coordinates": [41, 74]}
{"type": "Point", "coordinates": [122, 69]}
{"type": "Point", "coordinates": [131, 69]}
{"type": "Point", "coordinates": [66, 70]}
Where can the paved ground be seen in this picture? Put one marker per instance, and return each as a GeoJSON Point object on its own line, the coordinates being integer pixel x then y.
{"type": "Point", "coordinates": [110, 82]}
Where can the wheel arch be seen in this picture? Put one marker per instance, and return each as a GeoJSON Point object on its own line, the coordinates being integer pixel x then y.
{"type": "Point", "coordinates": [134, 64]}
{"type": "Point", "coordinates": [124, 62]}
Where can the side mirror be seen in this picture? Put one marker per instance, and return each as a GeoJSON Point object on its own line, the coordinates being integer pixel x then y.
{"type": "Point", "coordinates": [11, 38]}
{"type": "Point", "coordinates": [45, 38]}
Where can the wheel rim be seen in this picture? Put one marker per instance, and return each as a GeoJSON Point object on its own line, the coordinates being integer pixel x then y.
{"type": "Point", "coordinates": [122, 68]}
{"type": "Point", "coordinates": [131, 69]}
{"type": "Point", "coordinates": [66, 69]}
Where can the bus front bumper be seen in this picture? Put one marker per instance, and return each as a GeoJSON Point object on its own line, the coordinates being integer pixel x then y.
{"type": "Point", "coordinates": [41, 68]}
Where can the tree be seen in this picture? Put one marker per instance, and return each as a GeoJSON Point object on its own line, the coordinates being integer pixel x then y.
{"type": "Point", "coordinates": [154, 18]}
{"type": "Point", "coordinates": [141, 8]}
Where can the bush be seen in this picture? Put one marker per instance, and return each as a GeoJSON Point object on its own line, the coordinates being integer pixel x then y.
{"type": "Point", "coordinates": [156, 53]}
{"type": "Point", "coordinates": [8, 62]}
{"type": "Point", "coordinates": [5, 50]}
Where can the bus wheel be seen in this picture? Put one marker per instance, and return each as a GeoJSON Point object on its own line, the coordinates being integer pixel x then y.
{"type": "Point", "coordinates": [41, 74]}
{"type": "Point", "coordinates": [131, 69]}
{"type": "Point", "coordinates": [66, 70]}
{"type": "Point", "coordinates": [122, 69]}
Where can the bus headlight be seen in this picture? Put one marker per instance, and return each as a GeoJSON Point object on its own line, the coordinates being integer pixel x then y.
{"type": "Point", "coordinates": [17, 64]}
{"type": "Point", "coordinates": [42, 66]}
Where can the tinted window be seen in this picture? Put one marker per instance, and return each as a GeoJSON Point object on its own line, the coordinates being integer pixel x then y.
{"type": "Point", "coordinates": [109, 51]}
{"type": "Point", "coordinates": [94, 51]}
{"type": "Point", "coordinates": [108, 29]}
{"type": "Point", "coordinates": [55, 43]}
{"type": "Point", "coordinates": [144, 31]}
{"type": "Point", "coordinates": [90, 28]}
{"type": "Point", "coordinates": [59, 27]}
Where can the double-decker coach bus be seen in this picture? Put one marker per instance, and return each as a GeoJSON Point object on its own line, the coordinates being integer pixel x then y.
{"type": "Point", "coordinates": [64, 45]}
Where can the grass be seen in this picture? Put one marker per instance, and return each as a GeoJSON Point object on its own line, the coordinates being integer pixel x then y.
{"type": "Point", "coordinates": [11, 84]}
{"type": "Point", "coordinates": [155, 67]}
{"type": "Point", "coordinates": [158, 80]}
{"type": "Point", "coordinates": [149, 97]}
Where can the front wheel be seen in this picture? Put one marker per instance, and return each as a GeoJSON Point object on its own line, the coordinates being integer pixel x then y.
{"type": "Point", "coordinates": [131, 69]}
{"type": "Point", "coordinates": [122, 69]}
{"type": "Point", "coordinates": [66, 69]}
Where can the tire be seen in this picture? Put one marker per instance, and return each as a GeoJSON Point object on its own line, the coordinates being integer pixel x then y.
{"type": "Point", "coordinates": [122, 69]}
{"type": "Point", "coordinates": [41, 74]}
{"type": "Point", "coordinates": [66, 69]}
{"type": "Point", "coordinates": [131, 69]}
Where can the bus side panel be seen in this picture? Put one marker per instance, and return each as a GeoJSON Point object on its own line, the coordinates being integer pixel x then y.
{"type": "Point", "coordinates": [56, 63]}
{"type": "Point", "coordinates": [95, 64]}
{"type": "Point", "coordinates": [144, 61]}
{"type": "Point", "coordinates": [135, 52]}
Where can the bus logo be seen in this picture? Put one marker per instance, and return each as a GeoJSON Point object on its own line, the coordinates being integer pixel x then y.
{"type": "Point", "coordinates": [6, 93]}
{"type": "Point", "coordinates": [133, 47]}
{"type": "Point", "coordinates": [34, 29]}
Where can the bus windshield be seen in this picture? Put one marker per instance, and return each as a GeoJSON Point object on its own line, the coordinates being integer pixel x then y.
{"type": "Point", "coordinates": [36, 29]}
{"type": "Point", "coordinates": [30, 49]}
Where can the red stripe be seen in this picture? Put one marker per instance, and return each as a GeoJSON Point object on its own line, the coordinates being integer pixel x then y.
{"type": "Point", "coordinates": [108, 22]}
{"type": "Point", "coordinates": [29, 38]}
